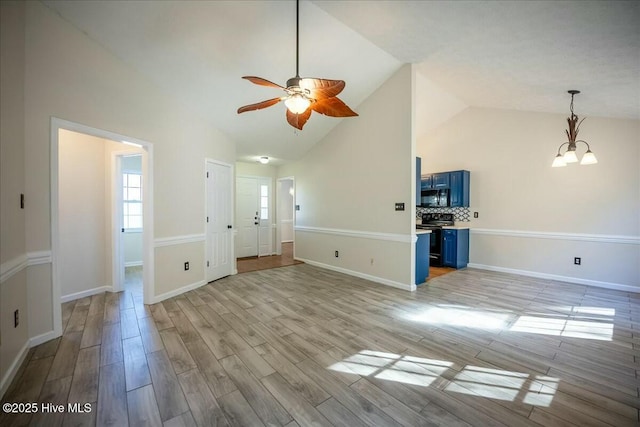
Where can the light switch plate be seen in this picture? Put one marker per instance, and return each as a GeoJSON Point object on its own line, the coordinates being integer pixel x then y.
{"type": "Point", "coordinates": [399, 206]}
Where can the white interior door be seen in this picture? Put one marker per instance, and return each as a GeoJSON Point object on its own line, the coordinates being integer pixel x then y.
{"type": "Point", "coordinates": [219, 224]}
{"type": "Point", "coordinates": [247, 215]}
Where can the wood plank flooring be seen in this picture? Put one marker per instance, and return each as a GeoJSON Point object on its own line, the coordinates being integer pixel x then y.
{"type": "Point", "coordinates": [304, 346]}
{"type": "Point", "coordinates": [255, 263]}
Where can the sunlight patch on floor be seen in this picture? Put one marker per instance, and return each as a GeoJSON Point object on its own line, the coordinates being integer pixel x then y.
{"type": "Point", "coordinates": [485, 382]}
{"type": "Point", "coordinates": [462, 316]}
{"type": "Point", "coordinates": [578, 322]}
{"type": "Point", "coordinates": [472, 380]}
{"type": "Point", "coordinates": [594, 323]}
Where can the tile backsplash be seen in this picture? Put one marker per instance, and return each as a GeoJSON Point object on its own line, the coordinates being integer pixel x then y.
{"type": "Point", "coordinates": [459, 214]}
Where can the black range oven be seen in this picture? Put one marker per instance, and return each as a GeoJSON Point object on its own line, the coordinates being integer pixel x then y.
{"type": "Point", "coordinates": [435, 222]}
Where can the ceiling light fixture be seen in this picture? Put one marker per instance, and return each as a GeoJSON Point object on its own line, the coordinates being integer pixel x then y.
{"type": "Point", "coordinates": [264, 160]}
{"type": "Point", "coordinates": [304, 94]}
{"type": "Point", "coordinates": [570, 156]}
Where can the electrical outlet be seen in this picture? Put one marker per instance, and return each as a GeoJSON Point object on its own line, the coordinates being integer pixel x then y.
{"type": "Point", "coordinates": [577, 260]}
{"type": "Point", "coordinates": [399, 206]}
{"type": "Point", "coordinates": [16, 318]}
{"type": "Point", "coordinates": [297, 207]}
{"type": "Point", "coordinates": [337, 254]}
{"type": "Point", "coordinates": [475, 214]}
{"type": "Point", "coordinates": [186, 265]}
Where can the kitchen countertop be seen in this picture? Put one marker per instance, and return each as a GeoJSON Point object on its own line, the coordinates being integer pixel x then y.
{"type": "Point", "coordinates": [421, 231]}
{"type": "Point", "coordinates": [445, 227]}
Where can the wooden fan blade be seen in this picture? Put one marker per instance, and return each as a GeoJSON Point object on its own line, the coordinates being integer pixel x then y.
{"type": "Point", "coordinates": [298, 120]}
{"type": "Point", "coordinates": [333, 107]}
{"type": "Point", "coordinates": [322, 88]}
{"type": "Point", "coordinates": [259, 105]}
{"type": "Point", "coordinates": [262, 82]}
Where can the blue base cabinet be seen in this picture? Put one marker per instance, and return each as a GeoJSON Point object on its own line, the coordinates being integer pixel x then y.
{"type": "Point", "coordinates": [455, 248]}
{"type": "Point", "coordinates": [422, 258]}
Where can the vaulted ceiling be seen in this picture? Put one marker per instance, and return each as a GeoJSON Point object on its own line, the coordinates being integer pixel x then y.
{"type": "Point", "coordinates": [502, 54]}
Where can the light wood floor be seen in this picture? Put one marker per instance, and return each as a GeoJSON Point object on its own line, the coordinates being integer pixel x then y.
{"type": "Point", "coordinates": [300, 345]}
{"type": "Point", "coordinates": [266, 262]}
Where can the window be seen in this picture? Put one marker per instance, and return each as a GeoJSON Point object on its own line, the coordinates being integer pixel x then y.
{"type": "Point", "coordinates": [132, 201]}
{"type": "Point", "coordinates": [264, 202]}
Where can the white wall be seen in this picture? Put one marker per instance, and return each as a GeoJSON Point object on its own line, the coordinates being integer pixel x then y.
{"type": "Point", "coordinates": [13, 257]}
{"type": "Point", "coordinates": [285, 209]}
{"type": "Point", "coordinates": [348, 184]}
{"type": "Point", "coordinates": [534, 218]}
{"type": "Point", "coordinates": [69, 76]}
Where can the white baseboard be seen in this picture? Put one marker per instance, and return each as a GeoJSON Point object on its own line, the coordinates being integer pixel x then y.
{"type": "Point", "coordinates": [173, 293]}
{"type": "Point", "coordinates": [42, 338]}
{"type": "Point", "coordinates": [365, 276]}
{"type": "Point", "coordinates": [133, 264]}
{"type": "Point", "coordinates": [577, 280]}
{"type": "Point", "coordinates": [87, 293]}
{"type": "Point", "coordinates": [13, 369]}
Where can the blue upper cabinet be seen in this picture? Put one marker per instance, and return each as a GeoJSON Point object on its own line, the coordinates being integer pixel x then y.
{"type": "Point", "coordinates": [440, 180]}
{"type": "Point", "coordinates": [435, 181]}
{"type": "Point", "coordinates": [418, 180]}
{"type": "Point", "coordinates": [426, 182]}
{"type": "Point", "coordinates": [459, 185]}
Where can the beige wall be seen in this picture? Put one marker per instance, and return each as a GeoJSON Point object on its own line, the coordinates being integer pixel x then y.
{"type": "Point", "coordinates": [85, 211]}
{"type": "Point", "coordinates": [71, 77]}
{"type": "Point", "coordinates": [514, 188]}
{"type": "Point", "coordinates": [50, 69]}
{"type": "Point", "coordinates": [351, 180]}
{"type": "Point", "coordinates": [256, 169]}
{"type": "Point", "coordinates": [13, 258]}
{"type": "Point", "coordinates": [82, 212]}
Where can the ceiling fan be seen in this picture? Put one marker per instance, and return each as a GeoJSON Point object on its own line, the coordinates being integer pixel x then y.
{"type": "Point", "coordinates": [304, 94]}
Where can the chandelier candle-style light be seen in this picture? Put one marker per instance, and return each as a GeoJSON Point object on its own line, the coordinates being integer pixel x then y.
{"type": "Point", "coordinates": [570, 156]}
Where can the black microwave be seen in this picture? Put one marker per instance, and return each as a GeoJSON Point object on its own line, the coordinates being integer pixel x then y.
{"type": "Point", "coordinates": [434, 198]}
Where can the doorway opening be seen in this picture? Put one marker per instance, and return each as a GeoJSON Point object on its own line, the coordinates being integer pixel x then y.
{"type": "Point", "coordinates": [130, 198]}
{"type": "Point", "coordinates": [254, 216]}
{"type": "Point", "coordinates": [283, 253]}
{"type": "Point", "coordinates": [87, 205]}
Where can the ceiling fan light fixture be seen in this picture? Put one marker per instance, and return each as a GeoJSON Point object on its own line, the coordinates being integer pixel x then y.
{"type": "Point", "coordinates": [304, 94]}
{"type": "Point", "coordinates": [297, 103]}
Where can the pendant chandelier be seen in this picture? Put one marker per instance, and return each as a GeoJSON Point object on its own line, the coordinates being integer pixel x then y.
{"type": "Point", "coordinates": [570, 156]}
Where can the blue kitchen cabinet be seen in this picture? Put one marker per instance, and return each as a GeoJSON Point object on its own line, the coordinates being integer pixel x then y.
{"type": "Point", "coordinates": [459, 188]}
{"type": "Point", "coordinates": [455, 248]}
{"type": "Point", "coordinates": [418, 181]}
{"type": "Point", "coordinates": [435, 181]}
{"type": "Point", "coordinates": [426, 182]}
{"type": "Point", "coordinates": [422, 258]}
{"type": "Point", "coordinates": [440, 180]}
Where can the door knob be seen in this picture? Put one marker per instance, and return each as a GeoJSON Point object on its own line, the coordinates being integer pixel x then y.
{"type": "Point", "coordinates": [256, 223]}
